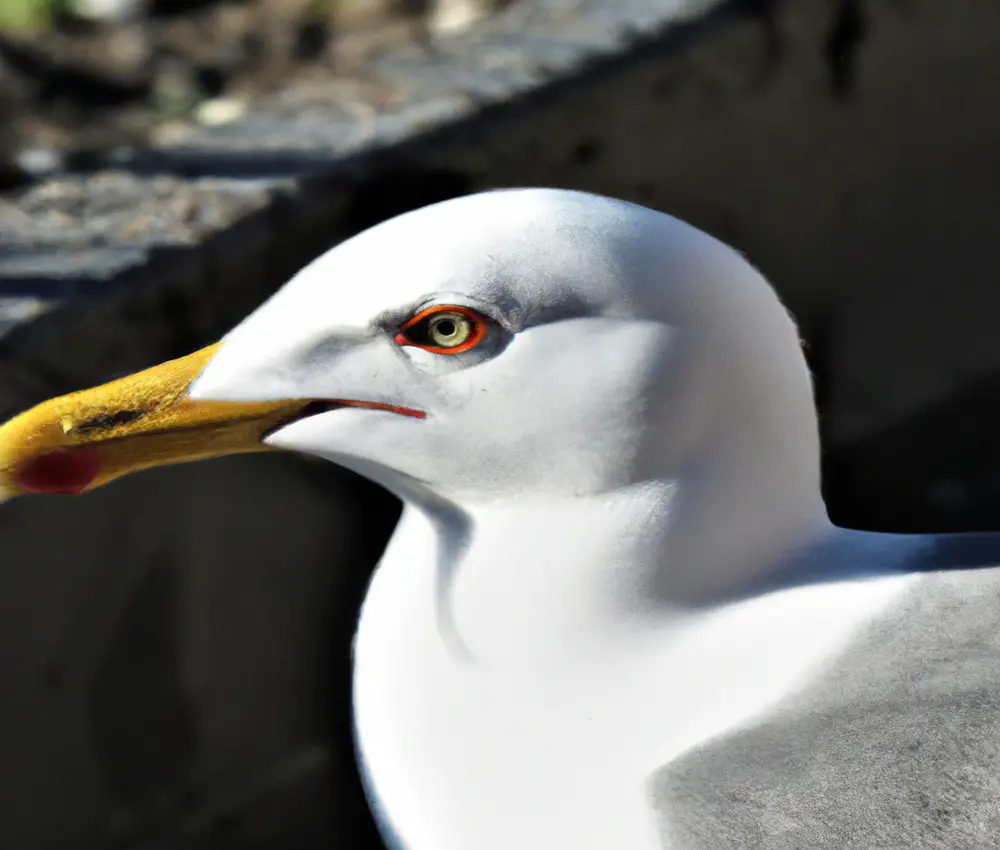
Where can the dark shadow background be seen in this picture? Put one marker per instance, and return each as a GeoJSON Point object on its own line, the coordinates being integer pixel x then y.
{"type": "Point", "coordinates": [174, 648]}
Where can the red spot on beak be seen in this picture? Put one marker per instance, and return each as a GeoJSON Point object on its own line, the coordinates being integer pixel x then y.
{"type": "Point", "coordinates": [66, 472]}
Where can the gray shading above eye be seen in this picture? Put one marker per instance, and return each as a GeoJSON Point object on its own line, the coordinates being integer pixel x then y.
{"type": "Point", "coordinates": [896, 746]}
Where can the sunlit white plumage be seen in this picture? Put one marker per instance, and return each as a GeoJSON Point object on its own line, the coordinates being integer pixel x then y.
{"type": "Point", "coordinates": [614, 547]}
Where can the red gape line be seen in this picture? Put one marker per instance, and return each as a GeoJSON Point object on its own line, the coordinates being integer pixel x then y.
{"type": "Point", "coordinates": [377, 405]}
{"type": "Point", "coordinates": [479, 329]}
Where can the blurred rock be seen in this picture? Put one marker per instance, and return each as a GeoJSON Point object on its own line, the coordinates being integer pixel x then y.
{"type": "Point", "coordinates": [39, 161]}
{"type": "Point", "coordinates": [170, 132]}
{"type": "Point", "coordinates": [16, 311]}
{"type": "Point", "coordinates": [175, 90]}
{"type": "Point", "coordinates": [130, 49]}
{"type": "Point", "coordinates": [109, 11]}
{"type": "Point", "coordinates": [220, 110]}
{"type": "Point", "coordinates": [452, 16]}
{"type": "Point", "coordinates": [142, 72]}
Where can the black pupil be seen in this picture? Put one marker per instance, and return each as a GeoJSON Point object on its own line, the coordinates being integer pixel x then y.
{"type": "Point", "coordinates": [446, 327]}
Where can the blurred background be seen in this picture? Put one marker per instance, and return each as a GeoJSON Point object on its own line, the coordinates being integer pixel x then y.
{"type": "Point", "coordinates": [174, 648]}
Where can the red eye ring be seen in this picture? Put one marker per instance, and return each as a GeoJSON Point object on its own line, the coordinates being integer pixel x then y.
{"type": "Point", "coordinates": [477, 332]}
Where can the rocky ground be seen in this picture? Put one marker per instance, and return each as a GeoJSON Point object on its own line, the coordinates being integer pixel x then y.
{"type": "Point", "coordinates": [84, 90]}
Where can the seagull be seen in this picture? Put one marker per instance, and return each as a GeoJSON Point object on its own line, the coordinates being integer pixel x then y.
{"type": "Point", "coordinates": [614, 560]}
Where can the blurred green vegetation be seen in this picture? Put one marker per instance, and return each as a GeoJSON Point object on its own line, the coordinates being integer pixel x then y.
{"type": "Point", "coordinates": [39, 14]}
{"type": "Point", "coordinates": [25, 14]}
{"type": "Point", "coordinates": [30, 14]}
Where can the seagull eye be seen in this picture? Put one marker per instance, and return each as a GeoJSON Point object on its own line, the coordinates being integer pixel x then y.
{"type": "Point", "coordinates": [444, 330]}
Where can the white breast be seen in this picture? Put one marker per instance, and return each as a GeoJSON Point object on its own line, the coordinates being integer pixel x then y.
{"type": "Point", "coordinates": [533, 746]}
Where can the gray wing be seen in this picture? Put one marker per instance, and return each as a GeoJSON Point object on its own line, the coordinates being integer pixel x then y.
{"type": "Point", "coordinates": [897, 747]}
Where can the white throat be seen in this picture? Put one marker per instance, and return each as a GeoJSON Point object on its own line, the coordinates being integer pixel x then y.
{"type": "Point", "coordinates": [546, 580]}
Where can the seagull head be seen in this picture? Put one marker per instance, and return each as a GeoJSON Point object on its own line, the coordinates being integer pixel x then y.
{"type": "Point", "coordinates": [496, 346]}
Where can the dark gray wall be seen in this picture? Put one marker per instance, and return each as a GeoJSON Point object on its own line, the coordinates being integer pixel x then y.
{"type": "Point", "coordinates": [174, 647]}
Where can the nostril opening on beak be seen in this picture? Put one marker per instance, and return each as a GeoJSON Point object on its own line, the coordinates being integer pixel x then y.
{"type": "Point", "coordinates": [107, 421]}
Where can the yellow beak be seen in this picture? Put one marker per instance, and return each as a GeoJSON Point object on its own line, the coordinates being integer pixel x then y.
{"type": "Point", "coordinates": [80, 441]}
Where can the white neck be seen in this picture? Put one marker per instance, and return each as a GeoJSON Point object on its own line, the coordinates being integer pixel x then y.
{"type": "Point", "coordinates": [553, 575]}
